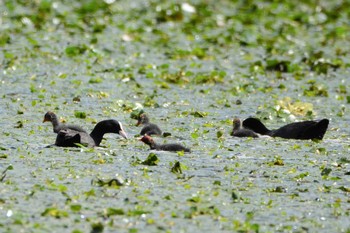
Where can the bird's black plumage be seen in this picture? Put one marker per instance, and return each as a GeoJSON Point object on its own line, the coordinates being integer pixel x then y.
{"type": "Point", "coordinates": [298, 130]}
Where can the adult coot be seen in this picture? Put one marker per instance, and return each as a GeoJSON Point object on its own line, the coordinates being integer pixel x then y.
{"type": "Point", "coordinates": [149, 128]}
{"type": "Point", "coordinates": [70, 137]}
{"type": "Point", "coordinates": [165, 147]}
{"type": "Point", "coordinates": [239, 131]}
{"type": "Point", "coordinates": [57, 126]}
{"type": "Point", "coordinates": [298, 130]}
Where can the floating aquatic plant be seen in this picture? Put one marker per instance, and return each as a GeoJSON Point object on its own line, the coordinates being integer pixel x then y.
{"type": "Point", "coordinates": [296, 107]}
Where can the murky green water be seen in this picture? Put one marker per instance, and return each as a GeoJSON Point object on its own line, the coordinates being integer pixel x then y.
{"type": "Point", "coordinates": [189, 72]}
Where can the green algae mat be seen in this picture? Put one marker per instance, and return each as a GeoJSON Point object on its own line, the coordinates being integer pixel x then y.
{"type": "Point", "coordinates": [192, 66]}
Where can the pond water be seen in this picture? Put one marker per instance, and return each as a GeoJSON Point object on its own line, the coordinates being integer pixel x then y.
{"type": "Point", "coordinates": [192, 72]}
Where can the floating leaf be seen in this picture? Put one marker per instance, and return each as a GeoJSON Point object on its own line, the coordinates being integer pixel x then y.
{"type": "Point", "coordinates": [321, 150]}
{"type": "Point", "coordinates": [73, 51]}
{"type": "Point", "coordinates": [194, 135]}
{"type": "Point", "coordinates": [345, 189]}
{"type": "Point", "coordinates": [75, 207]}
{"type": "Point", "coordinates": [176, 168]}
{"type": "Point", "coordinates": [54, 212]}
{"type": "Point", "coordinates": [62, 75]}
{"type": "Point", "coordinates": [234, 196]}
{"type": "Point", "coordinates": [219, 133]}
{"type": "Point", "coordinates": [180, 153]}
{"type": "Point", "coordinates": [76, 99]}
{"type": "Point", "coordinates": [3, 174]}
{"type": "Point", "coordinates": [348, 99]}
{"type": "Point", "coordinates": [278, 65]}
{"type": "Point", "coordinates": [19, 124]}
{"type": "Point", "coordinates": [217, 182]}
{"type": "Point", "coordinates": [278, 189]}
{"type": "Point", "coordinates": [4, 39]}
{"type": "Point", "coordinates": [213, 77]}
{"type": "Point", "coordinates": [316, 90]}
{"type": "Point", "coordinates": [295, 108]}
{"type": "Point", "coordinates": [166, 134]}
{"type": "Point", "coordinates": [95, 80]}
{"type": "Point", "coordinates": [112, 211]}
{"type": "Point", "coordinates": [301, 176]}
{"type": "Point", "coordinates": [33, 88]}
{"type": "Point", "coordinates": [152, 160]}
{"type": "Point", "coordinates": [137, 212]}
{"type": "Point", "coordinates": [326, 171]}
{"type": "Point", "coordinates": [89, 193]}
{"type": "Point", "coordinates": [81, 115]}
{"type": "Point", "coordinates": [136, 113]}
{"type": "Point", "coordinates": [344, 160]}
{"type": "Point", "coordinates": [199, 114]}
{"type": "Point", "coordinates": [97, 227]}
{"type": "Point", "coordinates": [170, 13]}
{"type": "Point", "coordinates": [195, 199]}
{"type": "Point", "coordinates": [133, 230]}
{"type": "Point", "coordinates": [77, 231]}
{"type": "Point", "coordinates": [342, 89]}
{"type": "Point", "coordinates": [110, 182]}
{"type": "Point", "coordinates": [278, 161]}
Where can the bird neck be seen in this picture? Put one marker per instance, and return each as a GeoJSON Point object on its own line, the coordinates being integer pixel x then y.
{"type": "Point", "coordinates": [153, 145]}
{"type": "Point", "coordinates": [145, 121]}
{"type": "Point", "coordinates": [237, 126]}
{"type": "Point", "coordinates": [55, 123]}
{"type": "Point", "coordinates": [97, 135]}
{"type": "Point", "coordinates": [257, 126]}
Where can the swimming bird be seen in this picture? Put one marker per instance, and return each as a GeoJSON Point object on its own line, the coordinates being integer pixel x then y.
{"type": "Point", "coordinates": [70, 137]}
{"type": "Point", "coordinates": [149, 128]}
{"type": "Point", "coordinates": [298, 130]}
{"type": "Point", "coordinates": [57, 126]}
{"type": "Point", "coordinates": [239, 131]}
{"type": "Point", "coordinates": [164, 147]}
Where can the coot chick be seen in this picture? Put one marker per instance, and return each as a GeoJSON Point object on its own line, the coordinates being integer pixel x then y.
{"type": "Point", "coordinates": [165, 147]}
{"type": "Point", "coordinates": [70, 138]}
{"type": "Point", "coordinates": [149, 128]}
{"type": "Point", "coordinates": [57, 126]}
{"type": "Point", "coordinates": [299, 130]}
{"type": "Point", "coordinates": [239, 131]}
